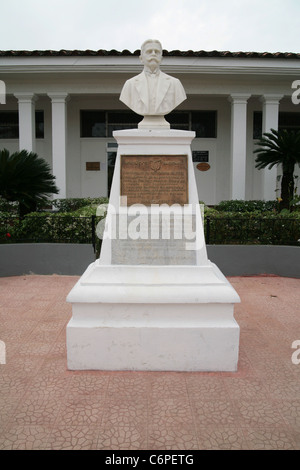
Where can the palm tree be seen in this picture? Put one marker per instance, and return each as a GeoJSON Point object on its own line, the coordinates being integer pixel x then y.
{"type": "Point", "coordinates": [280, 148]}
{"type": "Point", "coordinates": [26, 178]}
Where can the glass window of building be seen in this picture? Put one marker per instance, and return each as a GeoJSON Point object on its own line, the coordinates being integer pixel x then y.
{"type": "Point", "coordinates": [39, 124]}
{"type": "Point", "coordinates": [92, 123]}
{"type": "Point", "coordinates": [9, 124]}
{"type": "Point", "coordinates": [286, 120]}
{"type": "Point", "coordinates": [119, 120]}
{"type": "Point", "coordinates": [204, 123]}
{"type": "Point", "coordinates": [96, 123]}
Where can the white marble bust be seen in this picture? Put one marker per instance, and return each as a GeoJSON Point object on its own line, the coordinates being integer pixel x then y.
{"type": "Point", "coordinates": [152, 92]}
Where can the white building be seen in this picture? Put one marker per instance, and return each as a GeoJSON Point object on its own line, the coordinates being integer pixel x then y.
{"type": "Point", "coordinates": [64, 106]}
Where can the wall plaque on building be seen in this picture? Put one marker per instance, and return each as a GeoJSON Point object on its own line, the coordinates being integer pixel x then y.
{"type": "Point", "coordinates": [203, 166]}
{"type": "Point", "coordinates": [92, 166]}
{"type": "Point", "coordinates": [200, 156]}
{"type": "Point", "coordinates": [154, 179]}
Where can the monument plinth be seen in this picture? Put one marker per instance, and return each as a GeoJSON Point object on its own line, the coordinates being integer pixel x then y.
{"type": "Point", "coordinates": [153, 300]}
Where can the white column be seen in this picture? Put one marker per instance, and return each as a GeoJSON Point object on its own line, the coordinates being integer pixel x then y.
{"type": "Point", "coordinates": [270, 121]}
{"type": "Point", "coordinates": [238, 144]}
{"type": "Point", "coordinates": [59, 140]}
{"type": "Point", "coordinates": [26, 104]}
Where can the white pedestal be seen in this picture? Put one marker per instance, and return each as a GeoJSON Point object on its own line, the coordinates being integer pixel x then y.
{"type": "Point", "coordinates": [176, 318]}
{"type": "Point", "coordinates": [171, 316]}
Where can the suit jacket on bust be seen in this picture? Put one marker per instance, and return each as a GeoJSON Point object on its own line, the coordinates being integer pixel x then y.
{"type": "Point", "coordinates": [169, 94]}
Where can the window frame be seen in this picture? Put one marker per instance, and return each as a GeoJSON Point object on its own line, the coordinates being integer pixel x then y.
{"type": "Point", "coordinates": [38, 134]}
{"type": "Point", "coordinates": [174, 118]}
{"type": "Point", "coordinates": [258, 122]}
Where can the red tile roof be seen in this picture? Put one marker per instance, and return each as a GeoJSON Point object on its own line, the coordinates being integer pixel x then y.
{"type": "Point", "coordinates": [176, 53]}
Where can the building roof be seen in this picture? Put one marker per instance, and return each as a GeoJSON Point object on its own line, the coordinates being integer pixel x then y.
{"type": "Point", "coordinates": [174, 53]}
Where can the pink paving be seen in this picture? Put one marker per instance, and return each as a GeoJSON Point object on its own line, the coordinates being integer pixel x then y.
{"type": "Point", "coordinates": [45, 406]}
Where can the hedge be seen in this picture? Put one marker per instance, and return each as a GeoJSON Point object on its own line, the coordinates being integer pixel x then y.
{"type": "Point", "coordinates": [246, 206]}
{"type": "Point", "coordinates": [252, 228]}
{"type": "Point", "coordinates": [74, 204]}
{"type": "Point", "coordinates": [222, 228]}
{"type": "Point", "coordinates": [258, 225]}
{"type": "Point", "coordinates": [48, 228]}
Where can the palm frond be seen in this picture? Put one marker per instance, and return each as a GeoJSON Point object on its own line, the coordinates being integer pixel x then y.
{"type": "Point", "coordinates": [278, 147]}
{"type": "Point", "coordinates": [25, 177]}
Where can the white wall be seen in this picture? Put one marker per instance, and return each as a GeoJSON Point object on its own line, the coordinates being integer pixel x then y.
{"type": "Point", "coordinates": [82, 183]}
{"type": "Point", "coordinates": [93, 183]}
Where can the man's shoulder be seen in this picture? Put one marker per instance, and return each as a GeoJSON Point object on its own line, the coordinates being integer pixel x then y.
{"type": "Point", "coordinates": [165, 76]}
{"type": "Point", "coordinates": [136, 78]}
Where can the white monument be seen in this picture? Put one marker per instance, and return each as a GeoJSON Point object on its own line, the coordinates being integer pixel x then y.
{"type": "Point", "coordinates": [153, 300]}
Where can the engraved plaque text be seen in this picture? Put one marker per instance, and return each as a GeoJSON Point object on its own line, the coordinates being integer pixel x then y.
{"type": "Point", "coordinates": [154, 179]}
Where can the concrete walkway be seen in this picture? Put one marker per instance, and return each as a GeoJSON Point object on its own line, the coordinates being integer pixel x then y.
{"type": "Point", "coordinates": [45, 406]}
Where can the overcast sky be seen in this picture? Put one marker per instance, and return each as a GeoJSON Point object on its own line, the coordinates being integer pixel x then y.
{"type": "Point", "coordinates": [234, 25]}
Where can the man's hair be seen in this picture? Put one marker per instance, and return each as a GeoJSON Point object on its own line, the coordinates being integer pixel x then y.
{"type": "Point", "coordinates": [147, 42]}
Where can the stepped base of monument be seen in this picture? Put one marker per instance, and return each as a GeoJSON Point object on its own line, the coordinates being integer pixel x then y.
{"type": "Point", "coordinates": [175, 318]}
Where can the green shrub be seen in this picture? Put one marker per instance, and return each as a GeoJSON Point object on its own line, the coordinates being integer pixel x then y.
{"type": "Point", "coordinates": [86, 211]}
{"type": "Point", "coordinates": [8, 207]}
{"type": "Point", "coordinates": [55, 228]}
{"type": "Point", "coordinates": [246, 206]}
{"type": "Point", "coordinates": [9, 226]}
{"type": "Point", "coordinates": [73, 204]}
{"type": "Point", "coordinates": [252, 228]}
{"type": "Point", "coordinates": [256, 226]}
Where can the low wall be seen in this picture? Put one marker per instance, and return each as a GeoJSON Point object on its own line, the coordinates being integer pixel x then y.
{"type": "Point", "coordinates": [247, 260]}
{"type": "Point", "coordinates": [45, 258]}
{"type": "Point", "coordinates": [73, 259]}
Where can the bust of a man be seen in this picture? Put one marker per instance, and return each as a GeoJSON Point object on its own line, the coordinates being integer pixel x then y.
{"type": "Point", "coordinates": [152, 92]}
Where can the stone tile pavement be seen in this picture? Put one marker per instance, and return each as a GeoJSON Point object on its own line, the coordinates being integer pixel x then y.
{"type": "Point", "coordinates": [45, 406]}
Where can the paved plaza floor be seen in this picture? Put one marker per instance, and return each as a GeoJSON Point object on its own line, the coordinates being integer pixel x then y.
{"type": "Point", "coordinates": [45, 406]}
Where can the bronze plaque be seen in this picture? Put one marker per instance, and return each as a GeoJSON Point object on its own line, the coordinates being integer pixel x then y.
{"type": "Point", "coordinates": [154, 179]}
{"type": "Point", "coordinates": [92, 166]}
{"type": "Point", "coordinates": [203, 166]}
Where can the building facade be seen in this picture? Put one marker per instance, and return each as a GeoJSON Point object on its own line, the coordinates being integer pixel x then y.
{"type": "Point", "coordinates": [65, 105]}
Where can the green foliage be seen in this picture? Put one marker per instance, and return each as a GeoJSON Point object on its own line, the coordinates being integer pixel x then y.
{"type": "Point", "coordinates": [25, 178]}
{"type": "Point", "coordinates": [59, 227]}
{"type": "Point", "coordinates": [253, 228]}
{"type": "Point", "coordinates": [73, 204]}
{"type": "Point", "coordinates": [11, 208]}
{"type": "Point", "coordinates": [86, 211]}
{"type": "Point", "coordinates": [241, 206]}
{"type": "Point", "coordinates": [230, 222]}
{"type": "Point", "coordinates": [44, 227]}
{"type": "Point", "coordinates": [47, 228]}
{"type": "Point", "coordinates": [280, 148]}
{"type": "Point", "coordinates": [295, 202]}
